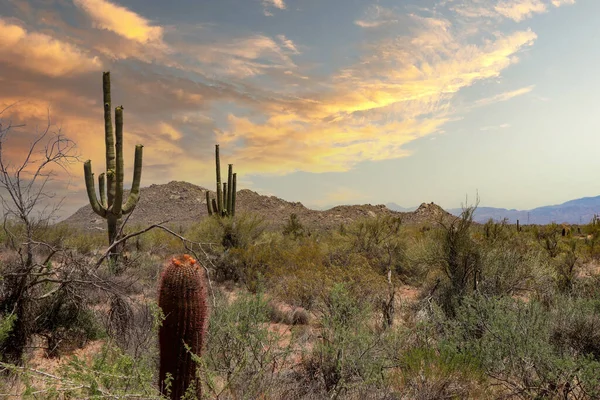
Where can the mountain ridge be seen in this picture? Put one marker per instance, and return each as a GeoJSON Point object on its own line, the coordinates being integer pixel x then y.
{"type": "Point", "coordinates": [576, 211]}
{"type": "Point", "coordinates": [182, 203]}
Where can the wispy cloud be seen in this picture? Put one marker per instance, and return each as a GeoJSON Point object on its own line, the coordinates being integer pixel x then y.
{"type": "Point", "coordinates": [494, 127]}
{"type": "Point", "coordinates": [245, 56]}
{"type": "Point", "coordinates": [516, 10]}
{"type": "Point", "coordinates": [41, 53]}
{"type": "Point", "coordinates": [377, 16]}
{"type": "Point", "coordinates": [505, 96]}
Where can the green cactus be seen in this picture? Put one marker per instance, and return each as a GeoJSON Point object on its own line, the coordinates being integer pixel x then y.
{"type": "Point", "coordinates": [111, 207]}
{"type": "Point", "coordinates": [224, 205]}
{"type": "Point", "coordinates": [183, 299]}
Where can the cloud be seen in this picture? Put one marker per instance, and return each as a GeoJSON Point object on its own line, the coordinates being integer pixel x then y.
{"type": "Point", "coordinates": [288, 44]}
{"type": "Point", "coordinates": [377, 16]}
{"type": "Point", "coordinates": [398, 91]}
{"type": "Point", "coordinates": [519, 10]}
{"type": "Point", "coordinates": [278, 4]}
{"type": "Point", "coordinates": [282, 145]}
{"type": "Point", "coordinates": [516, 10]}
{"type": "Point", "coordinates": [246, 56]}
{"type": "Point", "coordinates": [503, 96]}
{"type": "Point", "coordinates": [494, 127]}
{"type": "Point", "coordinates": [41, 53]}
{"type": "Point", "coordinates": [120, 20]}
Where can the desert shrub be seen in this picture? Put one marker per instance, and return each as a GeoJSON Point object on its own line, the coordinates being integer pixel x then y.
{"type": "Point", "coordinates": [496, 231]}
{"type": "Point", "coordinates": [592, 237]}
{"type": "Point", "coordinates": [6, 323]}
{"type": "Point", "coordinates": [566, 267]}
{"type": "Point", "coordinates": [513, 342]}
{"type": "Point", "coordinates": [456, 259]}
{"type": "Point", "coordinates": [227, 233]}
{"type": "Point", "coordinates": [549, 238]}
{"type": "Point", "coordinates": [508, 267]}
{"type": "Point", "coordinates": [66, 323]}
{"type": "Point", "coordinates": [86, 243]}
{"type": "Point", "coordinates": [154, 242]}
{"type": "Point", "coordinates": [294, 227]}
{"type": "Point", "coordinates": [430, 373]}
{"type": "Point", "coordinates": [308, 285]}
{"type": "Point", "coordinates": [380, 241]}
{"type": "Point", "coordinates": [242, 357]}
{"type": "Point", "coordinates": [575, 327]}
{"type": "Point", "coordinates": [348, 351]}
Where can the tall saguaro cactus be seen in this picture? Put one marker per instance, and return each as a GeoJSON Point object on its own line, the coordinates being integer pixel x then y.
{"type": "Point", "coordinates": [110, 206]}
{"type": "Point", "coordinates": [224, 205]}
{"type": "Point", "coordinates": [182, 297]}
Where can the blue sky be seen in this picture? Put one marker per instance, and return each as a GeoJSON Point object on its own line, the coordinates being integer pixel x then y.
{"type": "Point", "coordinates": [323, 102]}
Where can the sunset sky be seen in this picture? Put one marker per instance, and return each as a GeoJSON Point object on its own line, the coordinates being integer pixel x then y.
{"type": "Point", "coordinates": [320, 101]}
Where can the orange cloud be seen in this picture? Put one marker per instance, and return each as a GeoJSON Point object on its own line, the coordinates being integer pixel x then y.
{"type": "Point", "coordinates": [396, 93]}
{"type": "Point", "coordinates": [280, 147]}
{"type": "Point", "coordinates": [120, 20]}
{"type": "Point", "coordinates": [41, 53]}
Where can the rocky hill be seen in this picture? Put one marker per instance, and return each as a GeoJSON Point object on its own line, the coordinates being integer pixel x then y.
{"type": "Point", "coordinates": [182, 204]}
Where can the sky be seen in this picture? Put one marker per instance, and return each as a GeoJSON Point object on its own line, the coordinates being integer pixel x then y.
{"type": "Point", "coordinates": [320, 101]}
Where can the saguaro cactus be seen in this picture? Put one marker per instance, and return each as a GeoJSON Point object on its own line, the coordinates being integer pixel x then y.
{"type": "Point", "coordinates": [225, 203]}
{"type": "Point", "coordinates": [111, 207]}
{"type": "Point", "coordinates": [182, 298]}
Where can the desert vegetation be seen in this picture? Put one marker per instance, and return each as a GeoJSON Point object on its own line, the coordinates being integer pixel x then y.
{"type": "Point", "coordinates": [387, 306]}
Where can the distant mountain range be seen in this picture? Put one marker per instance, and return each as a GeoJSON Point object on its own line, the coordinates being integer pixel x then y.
{"type": "Point", "coordinates": [579, 211]}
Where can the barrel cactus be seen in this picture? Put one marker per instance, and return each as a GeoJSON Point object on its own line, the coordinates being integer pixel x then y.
{"type": "Point", "coordinates": [183, 300]}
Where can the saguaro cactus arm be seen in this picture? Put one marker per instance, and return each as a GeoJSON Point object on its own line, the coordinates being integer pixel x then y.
{"type": "Point", "coordinates": [91, 189]}
{"type": "Point", "coordinates": [118, 199]}
{"type": "Point", "coordinates": [134, 194]}
{"type": "Point", "coordinates": [233, 194]}
{"type": "Point", "coordinates": [208, 204]}
{"type": "Point", "coordinates": [219, 192]}
{"type": "Point", "coordinates": [229, 188]}
{"type": "Point", "coordinates": [102, 189]}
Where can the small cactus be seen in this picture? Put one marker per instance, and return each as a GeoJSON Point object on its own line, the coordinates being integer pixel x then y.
{"type": "Point", "coordinates": [224, 206]}
{"type": "Point", "coordinates": [183, 300]}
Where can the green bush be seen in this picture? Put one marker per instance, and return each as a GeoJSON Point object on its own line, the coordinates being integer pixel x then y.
{"type": "Point", "coordinates": [517, 346]}
{"type": "Point", "coordinates": [348, 352]}
{"type": "Point", "coordinates": [242, 357]}
{"type": "Point", "coordinates": [430, 373]}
